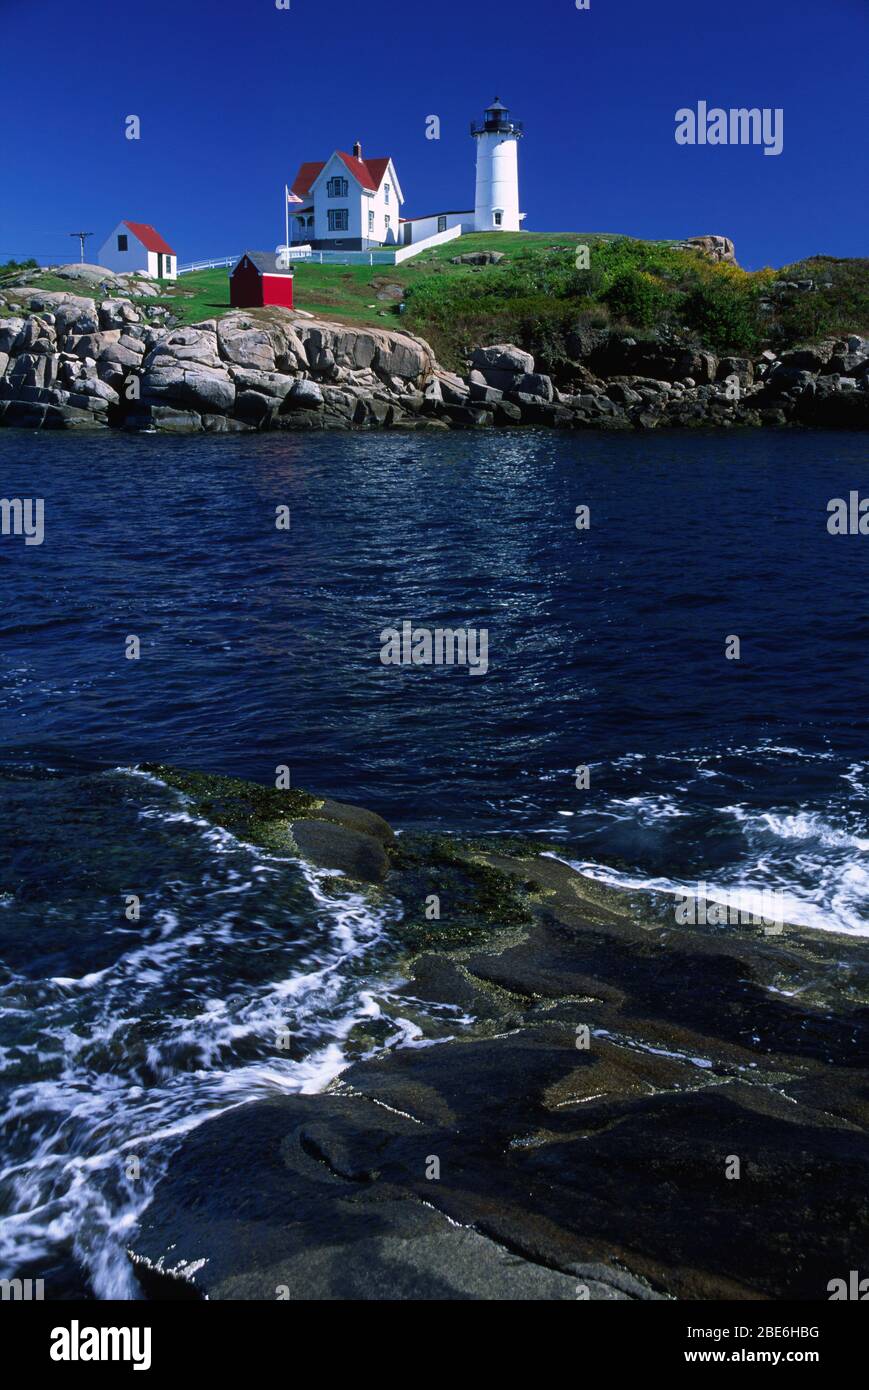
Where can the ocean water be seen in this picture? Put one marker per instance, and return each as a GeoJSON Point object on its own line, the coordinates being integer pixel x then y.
{"type": "Point", "coordinates": [261, 647]}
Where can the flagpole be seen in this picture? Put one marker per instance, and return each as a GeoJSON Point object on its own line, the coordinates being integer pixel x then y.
{"type": "Point", "coordinates": [287, 220]}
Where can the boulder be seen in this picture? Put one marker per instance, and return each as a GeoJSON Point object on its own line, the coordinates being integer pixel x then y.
{"type": "Point", "coordinates": [699, 367]}
{"type": "Point", "coordinates": [305, 395]}
{"type": "Point", "coordinates": [741, 367]}
{"type": "Point", "coordinates": [245, 344]}
{"type": "Point", "coordinates": [472, 417]}
{"type": "Point", "coordinates": [404, 356]}
{"type": "Point", "coordinates": [486, 395]}
{"type": "Point", "coordinates": [11, 332]}
{"type": "Point", "coordinates": [91, 344]}
{"type": "Point", "coordinates": [354, 349]}
{"type": "Point", "coordinates": [622, 394]}
{"type": "Point", "coordinates": [539, 412]}
{"type": "Point", "coordinates": [76, 316]}
{"type": "Point", "coordinates": [583, 340]}
{"type": "Point", "coordinates": [151, 416]}
{"type": "Point", "coordinates": [506, 413]}
{"type": "Point", "coordinates": [504, 357]}
{"type": "Point", "coordinates": [195, 344]}
{"type": "Point", "coordinates": [272, 384]}
{"type": "Point", "coordinates": [123, 356]}
{"type": "Point", "coordinates": [206, 387]}
{"type": "Point", "coordinates": [92, 386]}
{"type": "Point", "coordinates": [846, 363]}
{"type": "Point", "coordinates": [26, 370]}
{"type": "Point", "coordinates": [534, 384]}
{"type": "Point", "coordinates": [810, 359]}
{"type": "Point", "coordinates": [784, 378]}
{"type": "Point", "coordinates": [717, 248]}
{"type": "Point", "coordinates": [225, 424]}
{"type": "Point", "coordinates": [478, 258]}
{"type": "Point", "coordinates": [92, 274]}
{"type": "Point", "coordinates": [453, 390]}
{"type": "Point", "coordinates": [116, 313]}
{"type": "Point", "coordinates": [254, 407]}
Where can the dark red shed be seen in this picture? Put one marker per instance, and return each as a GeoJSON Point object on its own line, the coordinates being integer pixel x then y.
{"type": "Point", "coordinates": [258, 279]}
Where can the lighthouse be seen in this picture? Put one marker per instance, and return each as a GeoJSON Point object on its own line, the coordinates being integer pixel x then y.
{"type": "Point", "coordinates": [497, 201]}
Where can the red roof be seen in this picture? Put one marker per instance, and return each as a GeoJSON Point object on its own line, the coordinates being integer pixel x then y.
{"type": "Point", "coordinates": [305, 177]}
{"type": "Point", "coordinates": [369, 172]}
{"type": "Point", "coordinates": [377, 168]}
{"type": "Point", "coordinates": [151, 240]}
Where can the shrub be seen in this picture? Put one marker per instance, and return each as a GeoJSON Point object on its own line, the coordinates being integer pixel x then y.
{"type": "Point", "coordinates": [637, 298]}
{"type": "Point", "coordinates": [724, 315]}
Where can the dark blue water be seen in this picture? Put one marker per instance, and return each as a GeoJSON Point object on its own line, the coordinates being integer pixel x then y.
{"type": "Point", "coordinates": [261, 647]}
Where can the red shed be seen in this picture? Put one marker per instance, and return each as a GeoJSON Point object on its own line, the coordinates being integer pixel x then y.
{"type": "Point", "coordinates": [258, 280]}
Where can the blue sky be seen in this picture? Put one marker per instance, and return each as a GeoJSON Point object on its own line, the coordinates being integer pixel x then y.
{"type": "Point", "coordinates": [233, 94]}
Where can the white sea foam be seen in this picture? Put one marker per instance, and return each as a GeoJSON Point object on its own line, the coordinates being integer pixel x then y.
{"type": "Point", "coordinates": [124, 1076]}
{"type": "Point", "coordinates": [819, 871]}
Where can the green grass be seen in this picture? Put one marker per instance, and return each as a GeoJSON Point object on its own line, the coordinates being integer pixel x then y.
{"type": "Point", "coordinates": [537, 296]}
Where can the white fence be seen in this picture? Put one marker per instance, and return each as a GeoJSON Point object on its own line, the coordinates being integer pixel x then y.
{"type": "Point", "coordinates": [392, 255]}
{"type": "Point", "coordinates": [404, 253]}
{"type": "Point", "coordinates": [207, 265]}
{"type": "Point", "coordinates": [285, 254]}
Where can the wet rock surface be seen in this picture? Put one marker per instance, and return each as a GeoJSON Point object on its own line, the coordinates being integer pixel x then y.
{"type": "Point", "coordinates": [627, 1108]}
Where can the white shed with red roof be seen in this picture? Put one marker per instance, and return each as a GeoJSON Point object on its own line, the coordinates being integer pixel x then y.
{"type": "Point", "coordinates": [138, 246]}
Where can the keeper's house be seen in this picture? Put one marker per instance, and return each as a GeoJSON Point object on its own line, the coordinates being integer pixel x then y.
{"type": "Point", "coordinates": [347, 203]}
{"type": "Point", "coordinates": [258, 280]}
{"type": "Point", "coordinates": [137, 246]}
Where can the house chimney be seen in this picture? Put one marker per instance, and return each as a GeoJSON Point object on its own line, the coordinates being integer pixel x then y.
{"type": "Point", "coordinates": [357, 150]}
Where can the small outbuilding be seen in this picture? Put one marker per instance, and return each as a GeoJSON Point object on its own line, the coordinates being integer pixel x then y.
{"type": "Point", "coordinates": [259, 279]}
{"type": "Point", "coordinates": [137, 246]}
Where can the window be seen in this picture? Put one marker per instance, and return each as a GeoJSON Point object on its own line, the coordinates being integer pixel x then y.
{"type": "Point", "coordinates": [498, 218]}
{"type": "Point", "coordinates": [370, 222]}
{"type": "Point", "coordinates": [386, 221]}
{"type": "Point", "coordinates": [336, 188]}
{"type": "Point", "coordinates": [442, 224]}
{"type": "Point", "coordinates": [339, 219]}
{"type": "Point", "coordinates": [386, 193]}
{"type": "Point", "coordinates": [122, 243]}
{"type": "Point", "coordinates": [168, 265]}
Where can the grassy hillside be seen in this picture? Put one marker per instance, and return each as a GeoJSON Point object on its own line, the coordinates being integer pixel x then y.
{"type": "Point", "coordinates": [536, 295]}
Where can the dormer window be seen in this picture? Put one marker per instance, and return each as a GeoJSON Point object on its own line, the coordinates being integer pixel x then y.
{"type": "Point", "coordinates": [336, 188]}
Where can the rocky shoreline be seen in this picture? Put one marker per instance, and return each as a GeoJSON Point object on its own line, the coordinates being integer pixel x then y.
{"type": "Point", "coordinates": [525, 1157]}
{"type": "Point", "coordinates": [68, 362]}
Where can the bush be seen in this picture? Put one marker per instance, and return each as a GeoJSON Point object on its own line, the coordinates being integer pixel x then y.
{"type": "Point", "coordinates": [535, 297]}
{"type": "Point", "coordinates": [724, 315]}
{"type": "Point", "coordinates": [637, 298]}
{"type": "Point", "coordinates": [15, 267]}
{"type": "Point", "coordinates": [838, 303]}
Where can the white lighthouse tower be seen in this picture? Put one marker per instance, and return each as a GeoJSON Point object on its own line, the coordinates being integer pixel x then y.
{"type": "Point", "coordinates": [497, 202]}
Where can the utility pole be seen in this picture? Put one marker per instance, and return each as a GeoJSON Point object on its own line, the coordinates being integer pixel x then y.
{"type": "Point", "coordinates": [81, 236]}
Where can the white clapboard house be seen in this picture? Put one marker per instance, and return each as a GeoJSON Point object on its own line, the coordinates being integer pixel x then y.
{"type": "Point", "coordinates": [346, 203]}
